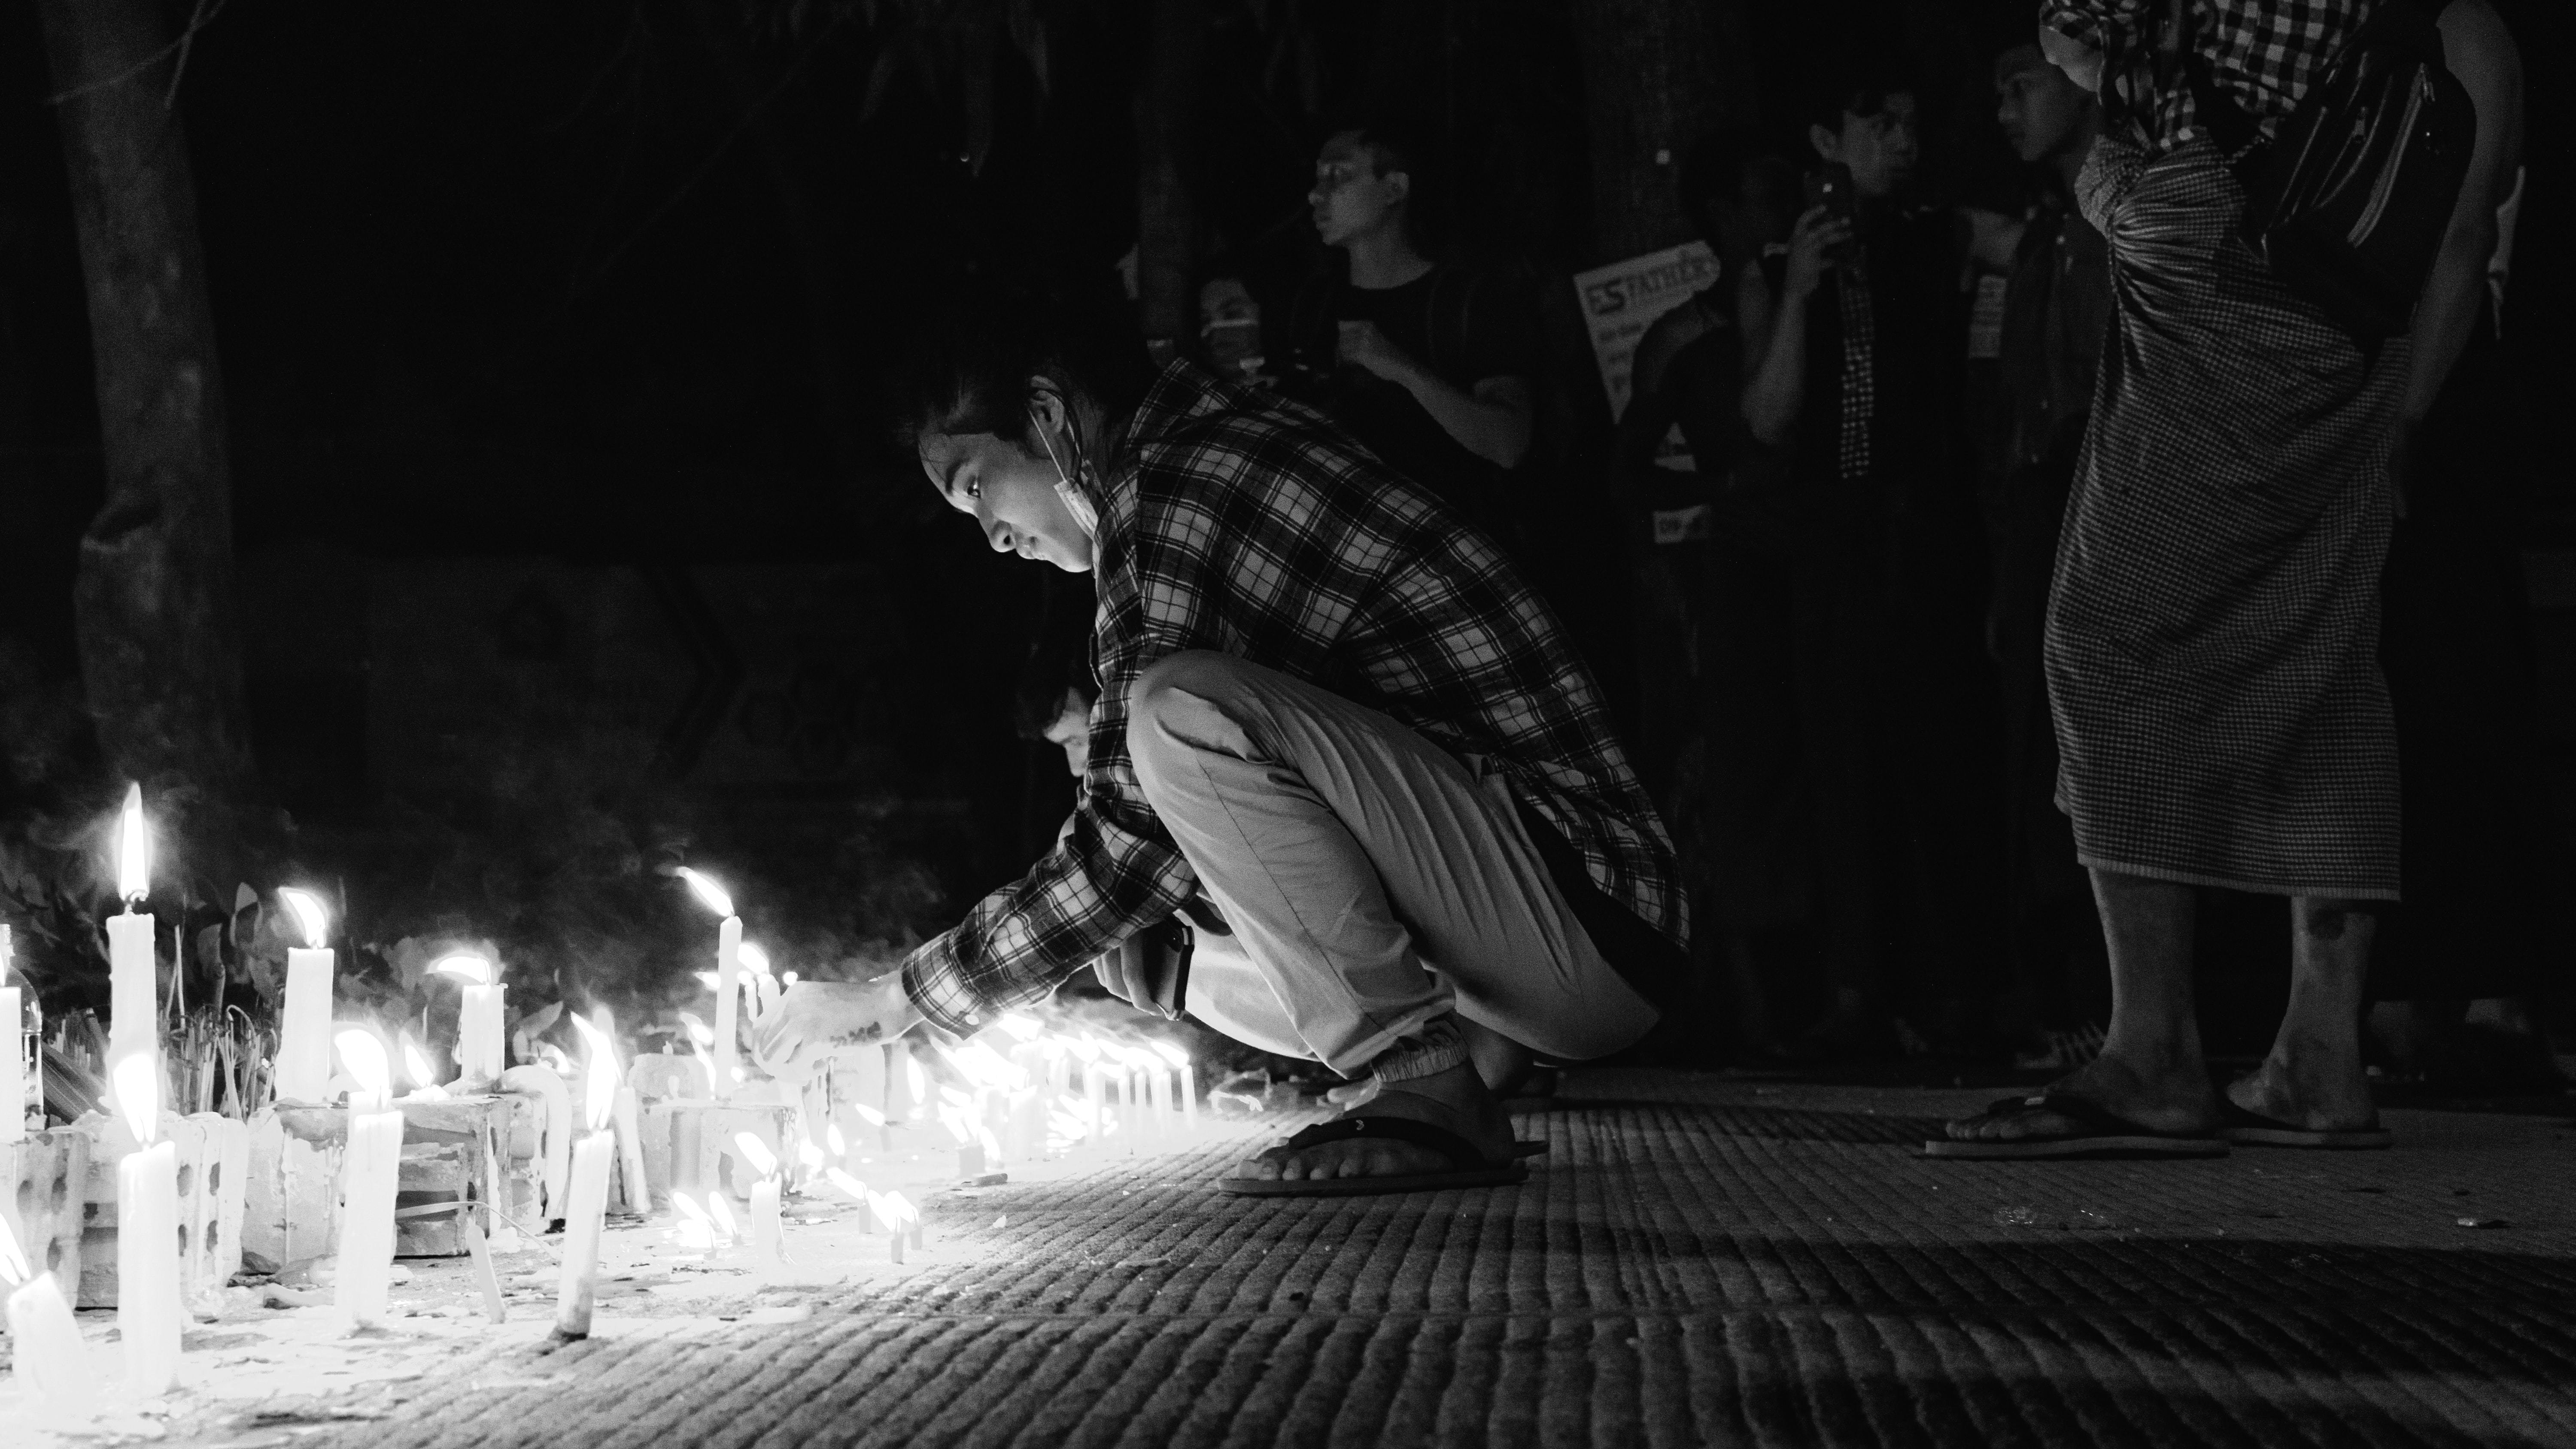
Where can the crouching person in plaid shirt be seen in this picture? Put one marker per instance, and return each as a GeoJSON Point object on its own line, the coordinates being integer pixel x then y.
{"type": "Point", "coordinates": [1336, 729]}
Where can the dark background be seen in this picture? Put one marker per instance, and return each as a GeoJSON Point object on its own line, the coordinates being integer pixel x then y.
{"type": "Point", "coordinates": [571, 537]}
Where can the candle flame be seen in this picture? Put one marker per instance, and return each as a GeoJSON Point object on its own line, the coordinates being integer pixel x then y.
{"type": "Point", "coordinates": [787, 976]}
{"type": "Point", "coordinates": [832, 1139]}
{"type": "Point", "coordinates": [689, 1208]}
{"type": "Point", "coordinates": [364, 1056]}
{"type": "Point", "coordinates": [869, 1115]}
{"type": "Point", "coordinates": [308, 914]}
{"type": "Point", "coordinates": [133, 849]}
{"type": "Point", "coordinates": [1172, 1054]}
{"type": "Point", "coordinates": [857, 1190]}
{"type": "Point", "coordinates": [707, 979]}
{"type": "Point", "coordinates": [810, 1155]}
{"type": "Point", "coordinates": [709, 894]}
{"type": "Point", "coordinates": [416, 1063]}
{"type": "Point", "coordinates": [916, 1079]}
{"type": "Point", "coordinates": [904, 1211]}
{"type": "Point", "coordinates": [754, 958]}
{"type": "Point", "coordinates": [13, 1264]}
{"type": "Point", "coordinates": [466, 967]}
{"type": "Point", "coordinates": [599, 1090]}
{"type": "Point", "coordinates": [757, 1153]}
{"type": "Point", "coordinates": [699, 1031]}
{"type": "Point", "coordinates": [1021, 1028]}
{"type": "Point", "coordinates": [723, 1215]}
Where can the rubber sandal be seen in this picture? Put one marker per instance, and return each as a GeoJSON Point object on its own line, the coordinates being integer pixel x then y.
{"type": "Point", "coordinates": [2253, 1129]}
{"type": "Point", "coordinates": [1395, 1129]}
{"type": "Point", "coordinates": [2102, 1135]}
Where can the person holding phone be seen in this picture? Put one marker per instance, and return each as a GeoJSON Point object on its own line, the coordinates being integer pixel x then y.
{"type": "Point", "coordinates": [1853, 355]}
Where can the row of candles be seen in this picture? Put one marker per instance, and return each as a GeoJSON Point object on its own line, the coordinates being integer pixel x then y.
{"type": "Point", "coordinates": [1017, 1106]}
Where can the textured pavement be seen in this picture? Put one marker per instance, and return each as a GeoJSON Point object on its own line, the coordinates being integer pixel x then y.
{"type": "Point", "coordinates": [1697, 1260]}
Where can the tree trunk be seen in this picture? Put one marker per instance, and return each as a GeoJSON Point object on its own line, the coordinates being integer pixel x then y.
{"type": "Point", "coordinates": [160, 644]}
{"type": "Point", "coordinates": [1166, 221]}
{"type": "Point", "coordinates": [1657, 76]}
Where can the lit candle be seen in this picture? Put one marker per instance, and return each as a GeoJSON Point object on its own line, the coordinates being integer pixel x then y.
{"type": "Point", "coordinates": [133, 992]}
{"type": "Point", "coordinates": [697, 1230]}
{"type": "Point", "coordinates": [147, 1234]}
{"type": "Point", "coordinates": [766, 1249]}
{"type": "Point", "coordinates": [422, 1075]}
{"type": "Point", "coordinates": [586, 1208]}
{"type": "Point", "coordinates": [304, 1031]}
{"type": "Point", "coordinates": [759, 986]}
{"type": "Point", "coordinates": [370, 1170]}
{"type": "Point", "coordinates": [1185, 1075]}
{"type": "Point", "coordinates": [50, 1358]}
{"type": "Point", "coordinates": [727, 1230]}
{"type": "Point", "coordinates": [728, 973]}
{"type": "Point", "coordinates": [479, 1046]}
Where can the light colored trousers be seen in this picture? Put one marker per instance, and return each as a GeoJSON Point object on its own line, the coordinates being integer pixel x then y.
{"type": "Point", "coordinates": [1374, 882]}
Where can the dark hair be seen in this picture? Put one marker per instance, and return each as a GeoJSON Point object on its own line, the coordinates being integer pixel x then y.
{"type": "Point", "coordinates": [970, 372]}
{"type": "Point", "coordinates": [1860, 88]}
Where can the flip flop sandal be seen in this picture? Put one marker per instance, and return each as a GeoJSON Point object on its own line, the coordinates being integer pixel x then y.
{"type": "Point", "coordinates": [2253, 1129]}
{"type": "Point", "coordinates": [1449, 1144]}
{"type": "Point", "coordinates": [2101, 1134]}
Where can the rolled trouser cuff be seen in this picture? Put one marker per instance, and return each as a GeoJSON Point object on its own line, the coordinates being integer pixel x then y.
{"type": "Point", "coordinates": [1438, 1047]}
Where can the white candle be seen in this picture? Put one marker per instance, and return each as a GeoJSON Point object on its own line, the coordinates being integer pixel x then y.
{"type": "Point", "coordinates": [369, 1171]}
{"type": "Point", "coordinates": [728, 978]}
{"type": "Point", "coordinates": [147, 1235]}
{"type": "Point", "coordinates": [728, 1005]}
{"type": "Point", "coordinates": [1190, 1097]}
{"type": "Point", "coordinates": [304, 1028]}
{"type": "Point", "coordinates": [13, 1065]}
{"type": "Point", "coordinates": [133, 1000]}
{"type": "Point", "coordinates": [584, 1216]}
{"type": "Point", "coordinates": [586, 1201]}
{"type": "Point", "coordinates": [629, 1119]}
{"type": "Point", "coordinates": [133, 1023]}
{"type": "Point", "coordinates": [304, 1032]}
{"type": "Point", "coordinates": [480, 1058]}
{"type": "Point", "coordinates": [767, 1249]}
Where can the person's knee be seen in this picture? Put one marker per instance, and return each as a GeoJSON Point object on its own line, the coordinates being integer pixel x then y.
{"type": "Point", "coordinates": [1165, 704]}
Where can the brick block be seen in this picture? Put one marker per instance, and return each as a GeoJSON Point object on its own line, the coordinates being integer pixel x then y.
{"type": "Point", "coordinates": [291, 1199]}
{"type": "Point", "coordinates": [703, 1156]}
{"type": "Point", "coordinates": [211, 1197]}
{"type": "Point", "coordinates": [452, 1152]}
{"type": "Point", "coordinates": [42, 1180]}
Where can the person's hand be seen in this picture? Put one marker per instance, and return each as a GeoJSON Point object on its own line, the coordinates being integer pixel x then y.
{"type": "Point", "coordinates": [1363, 346]}
{"type": "Point", "coordinates": [814, 1020]}
{"type": "Point", "coordinates": [1818, 235]}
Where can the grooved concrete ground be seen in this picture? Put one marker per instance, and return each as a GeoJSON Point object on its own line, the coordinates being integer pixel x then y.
{"type": "Point", "coordinates": [1697, 1261]}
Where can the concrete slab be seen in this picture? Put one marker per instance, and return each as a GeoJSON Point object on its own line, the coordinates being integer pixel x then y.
{"type": "Point", "coordinates": [1697, 1260]}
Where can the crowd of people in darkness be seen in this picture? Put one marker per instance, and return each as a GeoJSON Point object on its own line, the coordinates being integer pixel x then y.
{"type": "Point", "coordinates": [2006, 581]}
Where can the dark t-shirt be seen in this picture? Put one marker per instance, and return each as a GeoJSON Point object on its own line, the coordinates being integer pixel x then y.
{"type": "Point", "coordinates": [1463, 326]}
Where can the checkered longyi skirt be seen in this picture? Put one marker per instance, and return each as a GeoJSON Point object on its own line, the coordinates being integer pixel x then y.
{"type": "Point", "coordinates": [2214, 624]}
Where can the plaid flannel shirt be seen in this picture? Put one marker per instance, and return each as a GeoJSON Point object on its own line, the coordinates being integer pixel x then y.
{"type": "Point", "coordinates": [1236, 522]}
{"type": "Point", "coordinates": [2260, 53]}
